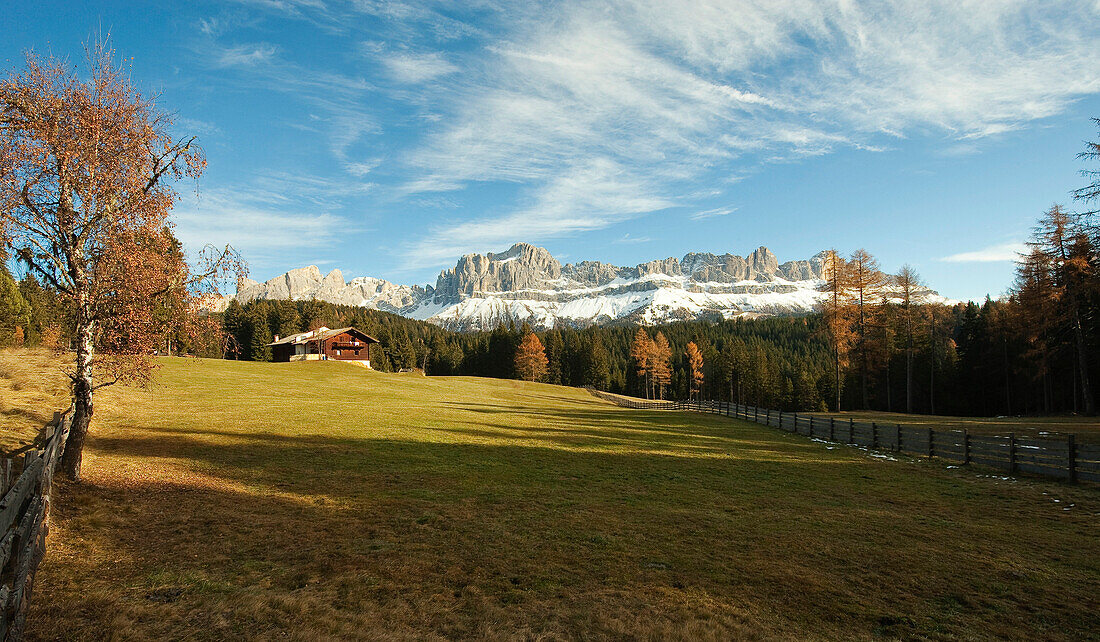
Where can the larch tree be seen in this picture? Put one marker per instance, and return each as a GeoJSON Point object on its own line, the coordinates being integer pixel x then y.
{"type": "Point", "coordinates": [867, 282]}
{"type": "Point", "coordinates": [640, 351]}
{"type": "Point", "coordinates": [695, 365]}
{"type": "Point", "coordinates": [1091, 192]}
{"type": "Point", "coordinates": [836, 309]}
{"type": "Point", "coordinates": [659, 363]}
{"type": "Point", "coordinates": [86, 166]}
{"type": "Point", "coordinates": [531, 362]}
{"type": "Point", "coordinates": [1066, 254]}
{"type": "Point", "coordinates": [910, 292]}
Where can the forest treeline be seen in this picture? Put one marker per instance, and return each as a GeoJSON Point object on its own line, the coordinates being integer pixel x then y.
{"type": "Point", "coordinates": [879, 341]}
{"type": "Point", "coordinates": [968, 359]}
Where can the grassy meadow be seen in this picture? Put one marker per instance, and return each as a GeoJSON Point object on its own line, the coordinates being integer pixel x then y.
{"type": "Point", "coordinates": [318, 500]}
{"type": "Point", "coordinates": [32, 387]}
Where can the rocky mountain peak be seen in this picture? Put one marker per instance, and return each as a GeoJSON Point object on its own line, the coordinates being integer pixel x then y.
{"type": "Point", "coordinates": [521, 267]}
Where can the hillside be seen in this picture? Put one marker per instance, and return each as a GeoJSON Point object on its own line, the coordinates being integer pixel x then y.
{"type": "Point", "coordinates": [318, 500]}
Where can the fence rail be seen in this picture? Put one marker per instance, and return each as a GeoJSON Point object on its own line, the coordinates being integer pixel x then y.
{"type": "Point", "coordinates": [1058, 456]}
{"type": "Point", "coordinates": [25, 484]}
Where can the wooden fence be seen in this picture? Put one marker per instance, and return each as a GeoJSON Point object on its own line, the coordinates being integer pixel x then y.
{"type": "Point", "coordinates": [1057, 455]}
{"type": "Point", "coordinates": [25, 483]}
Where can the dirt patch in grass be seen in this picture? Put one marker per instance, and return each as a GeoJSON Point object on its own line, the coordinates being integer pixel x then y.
{"type": "Point", "coordinates": [32, 388]}
{"type": "Point", "coordinates": [315, 501]}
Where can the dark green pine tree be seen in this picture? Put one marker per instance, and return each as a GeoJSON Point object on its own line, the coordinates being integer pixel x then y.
{"type": "Point", "coordinates": [260, 335]}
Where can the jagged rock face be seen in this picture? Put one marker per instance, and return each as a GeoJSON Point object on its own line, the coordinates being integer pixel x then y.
{"type": "Point", "coordinates": [591, 273]}
{"type": "Point", "coordinates": [522, 267]}
{"type": "Point", "coordinates": [526, 283]}
{"type": "Point", "coordinates": [307, 283]}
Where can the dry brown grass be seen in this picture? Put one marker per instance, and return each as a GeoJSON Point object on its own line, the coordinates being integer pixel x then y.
{"type": "Point", "coordinates": [318, 501]}
{"type": "Point", "coordinates": [32, 388]}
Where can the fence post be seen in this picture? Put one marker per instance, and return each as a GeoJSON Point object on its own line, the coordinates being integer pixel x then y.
{"type": "Point", "coordinates": [1012, 452]}
{"type": "Point", "coordinates": [811, 425]}
{"type": "Point", "coordinates": [874, 435]}
{"type": "Point", "coordinates": [795, 421]}
{"type": "Point", "coordinates": [832, 428]}
{"type": "Point", "coordinates": [851, 428]}
{"type": "Point", "coordinates": [756, 414]}
{"type": "Point", "coordinates": [931, 450]}
{"type": "Point", "coordinates": [897, 442]}
{"type": "Point", "coordinates": [966, 446]}
{"type": "Point", "coordinates": [1071, 456]}
{"type": "Point", "coordinates": [768, 417]}
{"type": "Point", "coordinates": [781, 419]}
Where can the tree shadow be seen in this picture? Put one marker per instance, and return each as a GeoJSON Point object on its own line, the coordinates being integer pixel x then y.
{"type": "Point", "coordinates": [220, 534]}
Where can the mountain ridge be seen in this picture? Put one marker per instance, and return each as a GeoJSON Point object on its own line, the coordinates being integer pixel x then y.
{"type": "Point", "coordinates": [527, 284]}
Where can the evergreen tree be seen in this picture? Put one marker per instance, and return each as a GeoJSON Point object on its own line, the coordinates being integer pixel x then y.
{"type": "Point", "coordinates": [15, 312]}
{"type": "Point", "coordinates": [554, 353]}
{"type": "Point", "coordinates": [260, 335]}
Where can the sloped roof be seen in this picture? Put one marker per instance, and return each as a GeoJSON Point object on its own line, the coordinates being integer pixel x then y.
{"type": "Point", "coordinates": [320, 334]}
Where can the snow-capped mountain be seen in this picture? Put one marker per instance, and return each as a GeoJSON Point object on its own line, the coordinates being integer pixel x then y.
{"type": "Point", "coordinates": [526, 283]}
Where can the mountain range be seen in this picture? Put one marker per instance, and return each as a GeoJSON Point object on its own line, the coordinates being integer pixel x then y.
{"type": "Point", "coordinates": [527, 284]}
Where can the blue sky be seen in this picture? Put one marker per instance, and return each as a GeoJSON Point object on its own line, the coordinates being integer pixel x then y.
{"type": "Point", "coordinates": [388, 137]}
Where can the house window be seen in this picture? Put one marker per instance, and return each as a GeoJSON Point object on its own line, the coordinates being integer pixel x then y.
{"type": "Point", "coordinates": [337, 353]}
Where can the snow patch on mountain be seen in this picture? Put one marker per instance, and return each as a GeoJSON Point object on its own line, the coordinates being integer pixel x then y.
{"type": "Point", "coordinates": [527, 284]}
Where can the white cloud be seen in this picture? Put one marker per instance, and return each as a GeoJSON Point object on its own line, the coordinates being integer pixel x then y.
{"type": "Point", "coordinates": [584, 198]}
{"type": "Point", "coordinates": [417, 68]}
{"type": "Point", "coordinates": [362, 168]}
{"type": "Point", "coordinates": [671, 90]}
{"type": "Point", "coordinates": [246, 55]}
{"type": "Point", "coordinates": [992, 254]}
{"type": "Point", "coordinates": [705, 214]}
{"type": "Point", "coordinates": [627, 239]}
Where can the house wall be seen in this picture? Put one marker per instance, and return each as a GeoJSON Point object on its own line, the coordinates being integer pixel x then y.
{"type": "Point", "coordinates": [346, 347]}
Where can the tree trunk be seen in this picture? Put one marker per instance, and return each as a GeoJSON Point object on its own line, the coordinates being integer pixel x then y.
{"type": "Point", "coordinates": [908, 361]}
{"type": "Point", "coordinates": [932, 370]}
{"type": "Point", "coordinates": [82, 400]}
{"type": "Point", "coordinates": [1083, 362]}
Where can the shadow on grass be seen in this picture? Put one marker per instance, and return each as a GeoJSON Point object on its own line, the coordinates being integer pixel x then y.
{"type": "Point", "coordinates": [360, 536]}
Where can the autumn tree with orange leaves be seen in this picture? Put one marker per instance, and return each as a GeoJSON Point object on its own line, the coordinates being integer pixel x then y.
{"type": "Point", "coordinates": [695, 365]}
{"type": "Point", "coordinates": [640, 351]}
{"type": "Point", "coordinates": [86, 166]}
{"type": "Point", "coordinates": [659, 363]}
{"type": "Point", "coordinates": [531, 358]}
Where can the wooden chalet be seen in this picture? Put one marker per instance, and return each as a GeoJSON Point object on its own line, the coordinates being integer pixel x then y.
{"type": "Point", "coordinates": [341, 344]}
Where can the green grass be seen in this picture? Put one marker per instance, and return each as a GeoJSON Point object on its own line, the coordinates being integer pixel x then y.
{"type": "Point", "coordinates": [1086, 428]}
{"type": "Point", "coordinates": [32, 386]}
{"type": "Point", "coordinates": [318, 500]}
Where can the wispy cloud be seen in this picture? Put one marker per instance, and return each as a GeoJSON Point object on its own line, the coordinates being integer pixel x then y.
{"type": "Point", "coordinates": [587, 197]}
{"type": "Point", "coordinates": [992, 254]}
{"type": "Point", "coordinates": [627, 239]}
{"type": "Point", "coordinates": [705, 214]}
{"type": "Point", "coordinates": [596, 113]}
{"type": "Point", "coordinates": [673, 90]}
{"type": "Point", "coordinates": [221, 219]}
{"type": "Point", "coordinates": [248, 55]}
{"type": "Point", "coordinates": [417, 68]}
